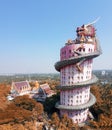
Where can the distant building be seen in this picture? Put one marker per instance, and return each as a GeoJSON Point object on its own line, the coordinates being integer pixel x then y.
{"type": "Point", "coordinates": [44, 92]}
{"type": "Point", "coordinates": [103, 73]}
{"type": "Point", "coordinates": [104, 82]}
{"type": "Point", "coordinates": [38, 92]}
{"type": "Point", "coordinates": [20, 88]}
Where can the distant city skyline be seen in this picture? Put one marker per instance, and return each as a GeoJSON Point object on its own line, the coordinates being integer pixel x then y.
{"type": "Point", "coordinates": [32, 32]}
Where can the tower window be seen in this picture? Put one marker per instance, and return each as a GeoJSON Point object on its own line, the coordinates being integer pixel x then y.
{"type": "Point", "coordinates": [84, 49]}
{"type": "Point", "coordinates": [79, 49]}
{"type": "Point", "coordinates": [69, 51]}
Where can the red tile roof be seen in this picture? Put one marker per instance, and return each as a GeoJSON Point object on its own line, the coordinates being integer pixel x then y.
{"type": "Point", "coordinates": [20, 85]}
{"type": "Point", "coordinates": [47, 89]}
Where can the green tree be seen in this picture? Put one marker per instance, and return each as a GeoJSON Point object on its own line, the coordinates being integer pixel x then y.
{"type": "Point", "coordinates": [49, 104]}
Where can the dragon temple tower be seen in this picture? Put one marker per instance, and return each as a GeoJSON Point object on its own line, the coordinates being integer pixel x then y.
{"type": "Point", "coordinates": [75, 67]}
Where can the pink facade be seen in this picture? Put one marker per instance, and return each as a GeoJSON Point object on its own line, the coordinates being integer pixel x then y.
{"type": "Point", "coordinates": [75, 67]}
{"type": "Point", "coordinates": [77, 116]}
{"type": "Point", "coordinates": [70, 75]}
{"type": "Point", "coordinates": [68, 51]}
{"type": "Point", "coordinates": [75, 97]}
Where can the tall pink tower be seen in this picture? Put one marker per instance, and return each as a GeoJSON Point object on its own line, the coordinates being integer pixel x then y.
{"type": "Point", "coordinates": [75, 67]}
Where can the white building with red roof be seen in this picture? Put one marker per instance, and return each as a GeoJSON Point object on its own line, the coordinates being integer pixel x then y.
{"type": "Point", "coordinates": [21, 88]}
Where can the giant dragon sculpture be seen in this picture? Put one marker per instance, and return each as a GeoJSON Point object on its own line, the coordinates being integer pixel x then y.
{"type": "Point", "coordinates": [75, 67]}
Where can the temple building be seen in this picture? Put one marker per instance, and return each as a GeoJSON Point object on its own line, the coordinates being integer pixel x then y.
{"type": "Point", "coordinates": [44, 92]}
{"type": "Point", "coordinates": [20, 88]}
{"type": "Point", "coordinates": [75, 67]}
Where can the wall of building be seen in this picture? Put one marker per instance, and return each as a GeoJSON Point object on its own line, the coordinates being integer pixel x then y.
{"type": "Point", "coordinates": [76, 96]}
{"type": "Point", "coordinates": [68, 50]}
{"type": "Point", "coordinates": [77, 116]}
{"type": "Point", "coordinates": [70, 75]}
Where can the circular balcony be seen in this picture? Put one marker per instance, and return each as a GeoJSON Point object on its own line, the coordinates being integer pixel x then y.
{"type": "Point", "coordinates": [93, 80]}
{"type": "Point", "coordinates": [91, 101]}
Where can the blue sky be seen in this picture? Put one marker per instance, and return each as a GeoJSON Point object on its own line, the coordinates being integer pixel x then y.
{"type": "Point", "coordinates": [33, 31]}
